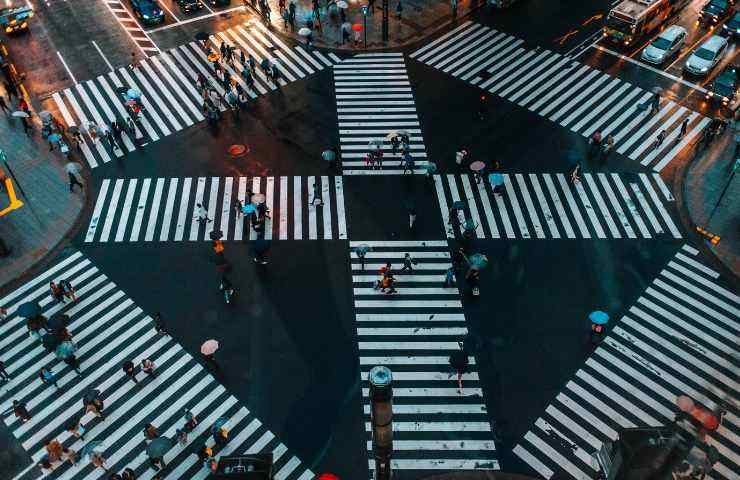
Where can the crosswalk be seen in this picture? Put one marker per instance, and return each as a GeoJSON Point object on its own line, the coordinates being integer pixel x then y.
{"type": "Point", "coordinates": [108, 329]}
{"type": "Point", "coordinates": [680, 338]}
{"type": "Point", "coordinates": [374, 97]}
{"type": "Point", "coordinates": [167, 83]}
{"type": "Point", "coordinates": [414, 332]}
{"type": "Point", "coordinates": [547, 205]}
{"type": "Point", "coordinates": [165, 209]}
{"type": "Point", "coordinates": [127, 21]}
{"type": "Point", "coordinates": [572, 94]}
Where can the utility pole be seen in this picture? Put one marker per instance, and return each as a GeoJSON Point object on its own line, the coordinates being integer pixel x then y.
{"type": "Point", "coordinates": [364, 22]}
{"type": "Point", "coordinates": [381, 418]}
{"type": "Point", "coordinates": [385, 20]}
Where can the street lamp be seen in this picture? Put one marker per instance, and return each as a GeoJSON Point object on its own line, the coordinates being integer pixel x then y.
{"type": "Point", "coordinates": [381, 418]}
{"type": "Point", "coordinates": [364, 22]}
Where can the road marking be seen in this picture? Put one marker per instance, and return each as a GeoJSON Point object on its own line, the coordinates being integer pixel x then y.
{"type": "Point", "coordinates": [105, 59]}
{"type": "Point", "coordinates": [66, 67]}
{"type": "Point", "coordinates": [194, 19]}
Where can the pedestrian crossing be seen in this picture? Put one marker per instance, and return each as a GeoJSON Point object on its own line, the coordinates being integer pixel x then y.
{"type": "Point", "coordinates": [414, 332]}
{"type": "Point", "coordinates": [548, 205]}
{"type": "Point", "coordinates": [680, 338]}
{"type": "Point", "coordinates": [572, 94]}
{"type": "Point", "coordinates": [127, 21]}
{"type": "Point", "coordinates": [167, 81]}
{"type": "Point", "coordinates": [165, 209]}
{"type": "Point", "coordinates": [374, 98]}
{"type": "Point", "coordinates": [108, 329]}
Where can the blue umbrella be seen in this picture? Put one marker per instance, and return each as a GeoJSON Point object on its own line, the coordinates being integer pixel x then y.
{"type": "Point", "coordinates": [458, 204]}
{"type": "Point", "coordinates": [249, 208]}
{"type": "Point", "coordinates": [478, 260]}
{"type": "Point", "coordinates": [133, 94]}
{"type": "Point", "coordinates": [598, 317]}
{"type": "Point", "coordinates": [54, 137]}
{"type": "Point", "coordinates": [431, 167]}
{"type": "Point", "coordinates": [66, 349]}
{"type": "Point", "coordinates": [496, 179]}
{"type": "Point", "coordinates": [29, 309]}
{"type": "Point", "coordinates": [220, 422]}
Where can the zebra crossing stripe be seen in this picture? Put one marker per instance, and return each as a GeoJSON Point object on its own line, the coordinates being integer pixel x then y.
{"type": "Point", "coordinates": [600, 197]}
{"type": "Point", "coordinates": [109, 328]}
{"type": "Point", "coordinates": [660, 349]}
{"type": "Point", "coordinates": [575, 95]}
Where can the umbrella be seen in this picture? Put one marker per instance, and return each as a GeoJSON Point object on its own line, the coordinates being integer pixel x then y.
{"type": "Point", "coordinates": [50, 342]}
{"type": "Point", "coordinates": [328, 155]}
{"type": "Point", "coordinates": [74, 129]}
{"type": "Point", "coordinates": [598, 317]}
{"type": "Point", "coordinates": [58, 321]}
{"type": "Point", "coordinates": [656, 89]}
{"type": "Point", "coordinates": [459, 204]}
{"type": "Point", "coordinates": [91, 447]}
{"type": "Point", "coordinates": [304, 32]}
{"type": "Point", "coordinates": [209, 347]}
{"type": "Point", "coordinates": [29, 309]}
{"type": "Point", "coordinates": [130, 102]}
{"type": "Point", "coordinates": [249, 209]}
{"type": "Point", "coordinates": [20, 114]}
{"type": "Point", "coordinates": [90, 396]}
{"type": "Point", "coordinates": [430, 167]}
{"type": "Point", "coordinates": [220, 422]}
{"type": "Point", "coordinates": [216, 235]}
{"type": "Point", "coordinates": [54, 137]}
{"type": "Point", "coordinates": [496, 179]}
{"type": "Point", "coordinates": [45, 115]}
{"type": "Point", "coordinates": [158, 447]}
{"type": "Point", "coordinates": [375, 142]}
{"type": "Point", "coordinates": [346, 26]}
{"type": "Point", "coordinates": [403, 133]}
{"type": "Point", "coordinates": [212, 57]}
{"type": "Point", "coordinates": [477, 166]}
{"type": "Point", "coordinates": [133, 94]}
{"type": "Point", "coordinates": [258, 198]}
{"type": "Point", "coordinates": [392, 134]}
{"type": "Point", "coordinates": [73, 168]}
{"type": "Point", "coordinates": [685, 404]}
{"type": "Point", "coordinates": [328, 476]}
{"type": "Point", "coordinates": [202, 36]}
{"type": "Point", "coordinates": [357, 27]}
{"type": "Point", "coordinates": [478, 260]}
{"type": "Point", "coordinates": [66, 349]}
{"type": "Point", "coordinates": [361, 249]}
{"type": "Point", "coordinates": [342, 4]}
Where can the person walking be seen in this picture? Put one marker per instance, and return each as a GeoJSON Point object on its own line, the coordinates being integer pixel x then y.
{"type": "Point", "coordinates": [389, 284]}
{"type": "Point", "coordinates": [408, 263]}
{"type": "Point", "coordinates": [181, 435]}
{"type": "Point", "coordinates": [191, 421]}
{"type": "Point", "coordinates": [201, 214]}
{"type": "Point", "coordinates": [158, 324]}
{"type": "Point", "coordinates": [147, 366]}
{"type": "Point", "coordinates": [459, 362]}
{"type": "Point", "coordinates": [659, 139]}
{"type": "Point", "coordinates": [26, 126]}
{"type": "Point", "coordinates": [76, 429]}
{"type": "Point", "coordinates": [56, 292]}
{"type": "Point", "coordinates": [128, 474]}
{"type": "Point", "coordinates": [47, 376]}
{"type": "Point", "coordinates": [73, 362]}
{"type": "Point", "coordinates": [210, 361]}
{"type": "Point", "coordinates": [95, 407]}
{"type": "Point", "coordinates": [128, 369]}
{"type": "Point", "coordinates": [4, 105]}
{"type": "Point", "coordinates": [73, 180]}
{"type": "Point", "coordinates": [655, 103]}
{"type": "Point", "coordinates": [607, 147]}
{"type": "Point", "coordinates": [20, 411]}
{"type": "Point", "coordinates": [361, 252]}
{"type": "Point", "coordinates": [4, 373]}
{"type": "Point", "coordinates": [96, 458]}
{"type": "Point", "coordinates": [449, 278]}
{"type": "Point", "coordinates": [316, 194]}
{"type": "Point", "coordinates": [150, 432]}
{"type": "Point", "coordinates": [684, 127]}
{"type": "Point", "coordinates": [67, 290]}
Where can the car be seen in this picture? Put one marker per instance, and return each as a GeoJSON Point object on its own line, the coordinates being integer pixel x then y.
{"type": "Point", "coordinates": [187, 6]}
{"type": "Point", "coordinates": [707, 56]}
{"type": "Point", "coordinates": [732, 26]}
{"type": "Point", "coordinates": [724, 88]}
{"type": "Point", "coordinates": [148, 11]}
{"type": "Point", "coordinates": [665, 45]}
{"type": "Point", "coordinates": [715, 11]}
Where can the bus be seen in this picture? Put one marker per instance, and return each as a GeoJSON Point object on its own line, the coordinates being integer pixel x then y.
{"type": "Point", "coordinates": [631, 20]}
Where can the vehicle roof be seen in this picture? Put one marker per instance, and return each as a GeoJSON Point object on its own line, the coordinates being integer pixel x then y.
{"type": "Point", "coordinates": [672, 32]}
{"type": "Point", "coordinates": [719, 3]}
{"type": "Point", "coordinates": [634, 8]}
{"type": "Point", "coordinates": [714, 42]}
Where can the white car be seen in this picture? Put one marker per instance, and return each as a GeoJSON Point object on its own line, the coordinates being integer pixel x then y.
{"type": "Point", "coordinates": [707, 56]}
{"type": "Point", "coordinates": [670, 41]}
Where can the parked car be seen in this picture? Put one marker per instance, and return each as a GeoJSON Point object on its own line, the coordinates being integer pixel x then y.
{"type": "Point", "coordinates": [187, 6]}
{"type": "Point", "coordinates": [148, 11]}
{"type": "Point", "coordinates": [707, 56]}
{"type": "Point", "coordinates": [724, 88]}
{"type": "Point", "coordinates": [665, 45]}
{"type": "Point", "coordinates": [732, 26]}
{"type": "Point", "coordinates": [715, 11]}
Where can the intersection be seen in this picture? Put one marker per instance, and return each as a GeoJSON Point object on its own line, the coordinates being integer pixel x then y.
{"type": "Point", "coordinates": [304, 330]}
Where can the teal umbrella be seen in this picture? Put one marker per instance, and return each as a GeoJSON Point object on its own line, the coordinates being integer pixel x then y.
{"type": "Point", "coordinates": [598, 317]}
{"type": "Point", "coordinates": [431, 167]}
{"type": "Point", "coordinates": [249, 208]}
{"type": "Point", "coordinates": [29, 309]}
{"type": "Point", "coordinates": [496, 179]}
{"type": "Point", "coordinates": [66, 349]}
{"type": "Point", "coordinates": [478, 260]}
{"type": "Point", "coordinates": [328, 155]}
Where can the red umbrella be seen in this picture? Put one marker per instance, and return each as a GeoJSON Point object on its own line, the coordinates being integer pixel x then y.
{"type": "Point", "coordinates": [328, 476]}
{"type": "Point", "coordinates": [356, 27]}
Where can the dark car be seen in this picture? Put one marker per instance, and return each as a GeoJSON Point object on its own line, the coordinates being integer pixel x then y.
{"type": "Point", "coordinates": [220, 3]}
{"type": "Point", "coordinates": [732, 26]}
{"type": "Point", "coordinates": [148, 11]}
{"type": "Point", "coordinates": [715, 11]}
{"type": "Point", "coordinates": [187, 6]}
{"type": "Point", "coordinates": [724, 87]}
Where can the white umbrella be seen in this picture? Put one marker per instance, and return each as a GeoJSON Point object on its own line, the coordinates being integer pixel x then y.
{"type": "Point", "coordinates": [73, 168]}
{"type": "Point", "coordinates": [20, 114]}
{"type": "Point", "coordinates": [304, 32]}
{"type": "Point", "coordinates": [342, 4]}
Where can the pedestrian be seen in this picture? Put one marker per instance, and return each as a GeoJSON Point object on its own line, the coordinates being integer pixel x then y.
{"type": "Point", "coordinates": [684, 127]}
{"type": "Point", "coordinates": [260, 251]}
{"type": "Point", "coordinates": [275, 73]}
{"type": "Point", "coordinates": [285, 15]}
{"type": "Point", "coordinates": [607, 147]}
{"type": "Point", "coordinates": [361, 252]}
{"type": "Point", "coordinates": [408, 263]}
{"type": "Point", "coordinates": [73, 180]}
{"type": "Point", "coordinates": [96, 408]}
{"type": "Point", "coordinates": [96, 458]}
{"type": "Point", "coordinates": [459, 361]}
{"type": "Point", "coordinates": [210, 360]}
{"type": "Point", "coordinates": [20, 411]}
{"type": "Point", "coordinates": [73, 362]}
{"type": "Point", "coordinates": [47, 376]}
{"type": "Point", "coordinates": [3, 314]}
{"type": "Point", "coordinates": [389, 284]}
{"type": "Point", "coordinates": [157, 463]}
{"type": "Point", "coordinates": [345, 31]}
{"type": "Point", "coordinates": [112, 146]}
{"type": "Point", "coordinates": [150, 432]}
{"type": "Point", "coordinates": [128, 474]}
{"type": "Point", "coordinates": [238, 206]}
{"type": "Point", "coordinates": [460, 156]}
{"type": "Point", "coordinates": [67, 290]}
{"type": "Point", "coordinates": [399, 9]}
{"type": "Point", "coordinates": [134, 62]}
{"type": "Point", "coordinates": [575, 176]}
{"type": "Point", "coordinates": [223, 48]}
{"type": "Point", "coordinates": [220, 437]}
{"type": "Point", "coordinates": [182, 436]}
{"type": "Point", "coordinates": [449, 278]}
{"type": "Point", "coordinates": [201, 214]}
{"type": "Point", "coordinates": [71, 455]}
{"type": "Point", "coordinates": [408, 163]}
{"type": "Point", "coordinates": [4, 373]}
{"type": "Point", "coordinates": [147, 366]}
{"type": "Point", "coordinates": [130, 128]}
{"type": "Point", "coordinates": [472, 277]}
{"type": "Point", "coordinates": [659, 139]}
{"type": "Point", "coordinates": [158, 324]}
{"type": "Point", "coordinates": [11, 88]}
{"type": "Point", "coordinates": [357, 38]}
{"type": "Point", "coordinates": [76, 429]}
{"type": "Point", "coordinates": [191, 421]}
{"type": "Point", "coordinates": [4, 105]}
{"type": "Point", "coordinates": [26, 126]}
{"type": "Point", "coordinates": [412, 218]}
{"type": "Point", "coordinates": [655, 103]}
{"type": "Point", "coordinates": [316, 194]}
{"type": "Point", "coordinates": [128, 369]}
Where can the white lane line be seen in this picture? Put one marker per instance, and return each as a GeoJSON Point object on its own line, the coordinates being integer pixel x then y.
{"type": "Point", "coordinates": [212, 201]}
{"type": "Point", "coordinates": [66, 67]}
{"type": "Point", "coordinates": [515, 206]}
{"type": "Point", "coordinates": [239, 218]}
{"type": "Point", "coordinates": [168, 210]}
{"type": "Point", "coordinates": [121, 231]}
{"type": "Point", "coordinates": [544, 206]}
{"type": "Point", "coordinates": [182, 214]}
{"type": "Point", "coordinates": [558, 205]}
{"type": "Point", "coordinates": [312, 209]}
{"type": "Point", "coordinates": [269, 194]}
{"type": "Point", "coordinates": [112, 207]}
{"type": "Point", "coordinates": [140, 209]}
{"type": "Point", "coordinates": [341, 220]}
{"type": "Point", "coordinates": [530, 206]}
{"type": "Point", "coordinates": [95, 220]}
{"type": "Point", "coordinates": [297, 209]}
{"type": "Point", "coordinates": [487, 210]}
{"type": "Point", "coordinates": [283, 222]}
{"type": "Point", "coordinates": [659, 206]}
{"type": "Point", "coordinates": [154, 211]}
{"type": "Point", "coordinates": [105, 59]}
{"type": "Point", "coordinates": [573, 206]}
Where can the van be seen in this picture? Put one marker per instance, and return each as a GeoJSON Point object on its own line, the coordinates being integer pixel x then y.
{"type": "Point", "coordinates": [669, 42]}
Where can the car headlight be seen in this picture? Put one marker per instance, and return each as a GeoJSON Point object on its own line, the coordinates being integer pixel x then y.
{"type": "Point", "coordinates": [704, 69]}
{"type": "Point", "coordinates": [145, 15]}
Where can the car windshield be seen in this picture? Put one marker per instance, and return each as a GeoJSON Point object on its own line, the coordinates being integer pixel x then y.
{"type": "Point", "coordinates": [714, 8]}
{"type": "Point", "coordinates": [722, 89]}
{"type": "Point", "coordinates": [661, 43]}
{"type": "Point", "coordinates": [704, 54]}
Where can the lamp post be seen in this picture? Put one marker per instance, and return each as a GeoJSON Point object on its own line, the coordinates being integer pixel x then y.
{"type": "Point", "coordinates": [385, 20]}
{"type": "Point", "coordinates": [364, 22]}
{"type": "Point", "coordinates": [381, 418]}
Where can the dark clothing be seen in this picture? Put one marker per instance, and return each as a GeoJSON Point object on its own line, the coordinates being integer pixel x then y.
{"type": "Point", "coordinates": [128, 369]}
{"type": "Point", "coordinates": [4, 105]}
{"type": "Point", "coordinates": [73, 181]}
{"type": "Point", "coordinates": [73, 362]}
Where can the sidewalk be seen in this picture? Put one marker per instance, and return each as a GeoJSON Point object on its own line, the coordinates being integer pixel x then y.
{"type": "Point", "coordinates": [49, 211]}
{"type": "Point", "coordinates": [705, 180]}
{"type": "Point", "coordinates": [419, 19]}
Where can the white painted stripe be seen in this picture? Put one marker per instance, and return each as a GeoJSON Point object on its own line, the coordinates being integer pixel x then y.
{"type": "Point", "coordinates": [435, 426]}
{"type": "Point", "coordinates": [438, 40]}
{"type": "Point", "coordinates": [555, 197]}
{"type": "Point", "coordinates": [412, 331]}
{"type": "Point", "coordinates": [255, 189]}
{"type": "Point", "coordinates": [182, 215]}
{"type": "Point", "coordinates": [533, 462]}
{"type": "Point", "coordinates": [453, 346]}
{"type": "Point", "coordinates": [696, 265]}
{"type": "Point", "coordinates": [112, 206]}
{"type": "Point", "coordinates": [663, 187]}
{"type": "Point", "coordinates": [705, 282]}
{"type": "Point", "coordinates": [283, 220]}
{"type": "Point", "coordinates": [409, 317]}
{"type": "Point", "coordinates": [95, 219]}
{"type": "Point", "coordinates": [126, 210]}
{"type": "Point", "coordinates": [616, 206]}
{"type": "Point", "coordinates": [156, 202]}
{"type": "Point", "coordinates": [312, 235]}
{"type": "Point", "coordinates": [339, 198]}
{"type": "Point", "coordinates": [226, 206]}
{"type": "Point", "coordinates": [150, 111]}
{"type": "Point", "coordinates": [409, 360]}
{"type": "Point", "coordinates": [530, 206]}
{"type": "Point", "coordinates": [543, 205]}
{"type": "Point", "coordinates": [168, 208]}
{"type": "Point", "coordinates": [326, 207]}
{"type": "Point", "coordinates": [140, 209]}
{"type": "Point", "coordinates": [84, 124]}
{"type": "Point", "coordinates": [440, 464]}
{"type": "Point", "coordinates": [646, 208]}
{"type": "Point", "coordinates": [578, 187]}
{"type": "Point", "coordinates": [269, 202]}
{"type": "Point", "coordinates": [470, 200]}
{"type": "Point", "coordinates": [444, 209]}
{"type": "Point", "coordinates": [490, 219]}
{"type": "Point", "coordinates": [443, 445]}
{"type": "Point", "coordinates": [703, 294]}
{"type": "Point", "coordinates": [631, 97]}
{"type": "Point", "coordinates": [118, 100]}
{"type": "Point", "coordinates": [573, 426]}
{"type": "Point", "coordinates": [680, 145]}
{"type": "Point", "coordinates": [631, 206]}
{"type": "Point", "coordinates": [212, 202]}
{"type": "Point", "coordinates": [427, 376]}
{"type": "Point", "coordinates": [515, 205]}
{"type": "Point", "coordinates": [659, 206]}
{"type": "Point", "coordinates": [602, 206]}
{"type": "Point", "coordinates": [637, 116]}
{"type": "Point", "coordinates": [399, 243]}
{"type": "Point", "coordinates": [239, 219]}
{"type": "Point", "coordinates": [198, 200]}
{"type": "Point", "coordinates": [297, 209]}
{"type": "Point", "coordinates": [389, 302]}
{"type": "Point", "coordinates": [560, 460]}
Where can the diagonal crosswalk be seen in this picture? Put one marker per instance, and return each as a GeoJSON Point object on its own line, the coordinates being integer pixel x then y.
{"type": "Point", "coordinates": [680, 338]}
{"type": "Point", "coordinates": [550, 206]}
{"type": "Point", "coordinates": [164, 209]}
{"type": "Point", "coordinates": [414, 332]}
{"type": "Point", "coordinates": [108, 329]}
{"type": "Point", "coordinates": [374, 97]}
{"type": "Point", "coordinates": [572, 94]}
{"type": "Point", "coordinates": [167, 81]}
